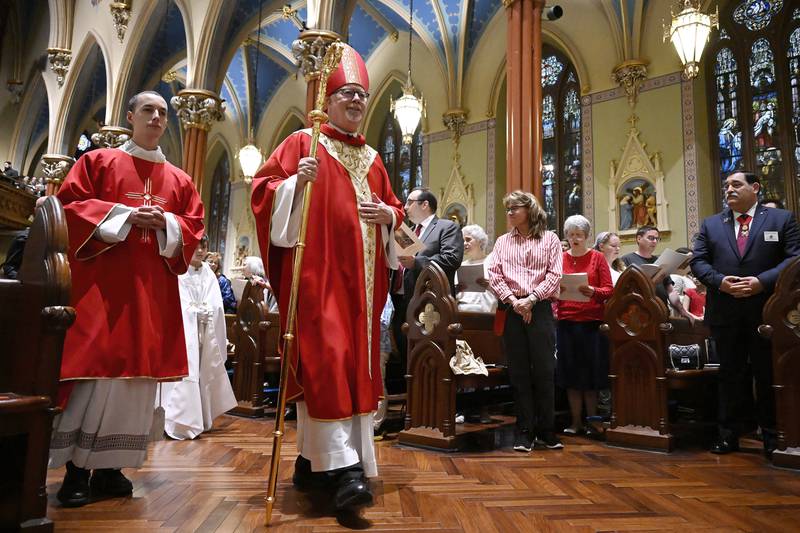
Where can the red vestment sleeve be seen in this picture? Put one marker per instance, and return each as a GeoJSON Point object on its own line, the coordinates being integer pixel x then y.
{"type": "Point", "coordinates": [84, 211]}
{"type": "Point", "coordinates": [190, 219]}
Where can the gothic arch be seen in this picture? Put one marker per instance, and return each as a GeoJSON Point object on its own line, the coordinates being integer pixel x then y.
{"type": "Point", "coordinates": [68, 109]}
{"type": "Point", "coordinates": [374, 124]}
{"type": "Point", "coordinates": [30, 106]}
{"type": "Point", "coordinates": [293, 117]}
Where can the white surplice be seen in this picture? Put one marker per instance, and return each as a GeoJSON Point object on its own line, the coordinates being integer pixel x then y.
{"type": "Point", "coordinates": [191, 405]}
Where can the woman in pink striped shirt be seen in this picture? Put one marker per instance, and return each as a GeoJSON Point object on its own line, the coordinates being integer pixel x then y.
{"type": "Point", "coordinates": [525, 274]}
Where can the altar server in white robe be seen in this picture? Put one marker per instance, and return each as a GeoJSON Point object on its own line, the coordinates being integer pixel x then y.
{"type": "Point", "coordinates": [191, 405]}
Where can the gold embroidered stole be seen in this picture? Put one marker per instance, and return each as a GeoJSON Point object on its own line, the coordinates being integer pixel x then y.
{"type": "Point", "coordinates": [357, 160]}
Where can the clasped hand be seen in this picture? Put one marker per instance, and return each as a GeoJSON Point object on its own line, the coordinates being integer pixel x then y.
{"type": "Point", "coordinates": [524, 308]}
{"type": "Point", "coordinates": [741, 287]}
{"type": "Point", "coordinates": [148, 217]}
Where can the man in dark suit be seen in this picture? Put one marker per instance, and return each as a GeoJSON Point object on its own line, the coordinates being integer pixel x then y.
{"type": "Point", "coordinates": [738, 256]}
{"type": "Point", "coordinates": [444, 245]}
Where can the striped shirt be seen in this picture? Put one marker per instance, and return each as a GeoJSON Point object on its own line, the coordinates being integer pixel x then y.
{"type": "Point", "coordinates": [523, 266]}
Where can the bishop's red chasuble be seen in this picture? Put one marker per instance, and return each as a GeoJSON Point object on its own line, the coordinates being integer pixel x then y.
{"type": "Point", "coordinates": [344, 278]}
{"type": "Point", "coordinates": [129, 322]}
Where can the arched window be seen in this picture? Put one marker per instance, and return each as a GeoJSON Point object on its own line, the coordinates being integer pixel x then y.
{"type": "Point", "coordinates": [217, 228]}
{"type": "Point", "coordinates": [403, 161]}
{"type": "Point", "coordinates": [561, 149]}
{"type": "Point", "coordinates": [753, 73]}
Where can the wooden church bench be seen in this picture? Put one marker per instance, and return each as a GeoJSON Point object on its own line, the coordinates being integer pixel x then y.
{"type": "Point", "coordinates": [34, 317]}
{"type": "Point", "coordinates": [639, 333]}
{"type": "Point", "coordinates": [256, 335]}
{"type": "Point", "coordinates": [782, 325]}
{"type": "Point", "coordinates": [433, 324]}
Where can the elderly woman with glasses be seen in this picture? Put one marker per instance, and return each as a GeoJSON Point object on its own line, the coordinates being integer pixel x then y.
{"type": "Point", "coordinates": [476, 243]}
{"type": "Point", "coordinates": [582, 366]}
{"type": "Point", "coordinates": [525, 273]}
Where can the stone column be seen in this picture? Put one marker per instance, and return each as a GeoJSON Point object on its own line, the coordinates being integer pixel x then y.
{"type": "Point", "coordinates": [111, 136]}
{"type": "Point", "coordinates": [55, 168]}
{"type": "Point", "coordinates": [309, 50]}
{"type": "Point", "coordinates": [524, 95]}
{"type": "Point", "coordinates": [197, 110]}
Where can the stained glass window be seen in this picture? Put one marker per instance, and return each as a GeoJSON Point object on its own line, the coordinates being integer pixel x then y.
{"type": "Point", "coordinates": [793, 56]}
{"type": "Point", "coordinates": [723, 34]}
{"type": "Point", "coordinates": [548, 117]}
{"type": "Point", "coordinates": [403, 162]}
{"type": "Point", "coordinates": [551, 68]}
{"type": "Point", "coordinates": [561, 147]}
{"type": "Point", "coordinates": [765, 117]}
{"type": "Point", "coordinates": [729, 137]}
{"type": "Point", "coordinates": [796, 14]}
{"type": "Point", "coordinates": [756, 14]}
{"type": "Point", "coordinates": [754, 89]}
{"type": "Point", "coordinates": [217, 227]}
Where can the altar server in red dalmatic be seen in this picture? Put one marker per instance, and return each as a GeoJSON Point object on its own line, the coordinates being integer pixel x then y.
{"type": "Point", "coordinates": [335, 375]}
{"type": "Point", "coordinates": [134, 221]}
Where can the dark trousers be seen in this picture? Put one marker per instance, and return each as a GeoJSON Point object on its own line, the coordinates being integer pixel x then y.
{"type": "Point", "coordinates": [530, 350]}
{"type": "Point", "coordinates": [743, 355]}
{"type": "Point", "coordinates": [398, 319]}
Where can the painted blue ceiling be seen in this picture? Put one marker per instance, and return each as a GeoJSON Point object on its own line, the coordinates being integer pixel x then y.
{"type": "Point", "coordinates": [92, 83]}
{"type": "Point", "coordinates": [169, 40]}
{"type": "Point", "coordinates": [478, 19]}
{"type": "Point", "coordinates": [237, 78]}
{"type": "Point", "coordinates": [365, 33]}
{"type": "Point", "coordinates": [42, 120]}
{"type": "Point", "coordinates": [270, 77]}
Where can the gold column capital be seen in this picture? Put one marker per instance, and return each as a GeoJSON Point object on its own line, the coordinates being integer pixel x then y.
{"type": "Point", "coordinates": [309, 50]}
{"type": "Point", "coordinates": [121, 13]}
{"type": "Point", "coordinates": [55, 168]}
{"type": "Point", "coordinates": [111, 136]}
{"type": "Point", "coordinates": [198, 108]}
{"type": "Point", "coordinates": [629, 75]}
{"type": "Point", "coordinates": [60, 58]}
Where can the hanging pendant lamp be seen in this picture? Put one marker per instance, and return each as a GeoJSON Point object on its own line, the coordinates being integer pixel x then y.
{"type": "Point", "coordinates": [250, 156]}
{"type": "Point", "coordinates": [408, 109]}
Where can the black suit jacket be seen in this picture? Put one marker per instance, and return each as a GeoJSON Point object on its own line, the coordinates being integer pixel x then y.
{"type": "Point", "coordinates": [444, 245]}
{"type": "Point", "coordinates": [773, 241]}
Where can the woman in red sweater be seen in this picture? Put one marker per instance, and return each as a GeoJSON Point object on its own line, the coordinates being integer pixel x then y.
{"type": "Point", "coordinates": [582, 366]}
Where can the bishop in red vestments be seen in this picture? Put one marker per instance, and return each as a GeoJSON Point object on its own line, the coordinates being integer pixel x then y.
{"type": "Point", "coordinates": [335, 371]}
{"type": "Point", "coordinates": [134, 222]}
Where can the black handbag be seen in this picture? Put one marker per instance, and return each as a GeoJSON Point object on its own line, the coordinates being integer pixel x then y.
{"type": "Point", "coordinates": [684, 357]}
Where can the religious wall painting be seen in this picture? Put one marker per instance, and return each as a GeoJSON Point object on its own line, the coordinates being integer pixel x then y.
{"type": "Point", "coordinates": [637, 204]}
{"type": "Point", "coordinates": [457, 198]}
{"type": "Point", "coordinates": [457, 213]}
{"type": "Point", "coordinates": [636, 190]}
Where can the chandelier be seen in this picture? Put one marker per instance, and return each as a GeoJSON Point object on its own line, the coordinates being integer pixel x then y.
{"type": "Point", "coordinates": [250, 157]}
{"type": "Point", "coordinates": [408, 109]}
{"type": "Point", "coordinates": [689, 33]}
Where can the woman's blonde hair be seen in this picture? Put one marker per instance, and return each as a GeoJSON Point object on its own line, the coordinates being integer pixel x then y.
{"type": "Point", "coordinates": [537, 218]}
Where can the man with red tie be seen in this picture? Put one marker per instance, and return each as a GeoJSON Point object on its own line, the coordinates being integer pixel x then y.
{"type": "Point", "coordinates": [738, 256]}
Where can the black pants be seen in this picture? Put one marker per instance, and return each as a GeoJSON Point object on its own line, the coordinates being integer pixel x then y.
{"type": "Point", "coordinates": [530, 350]}
{"type": "Point", "coordinates": [743, 355]}
{"type": "Point", "coordinates": [399, 317]}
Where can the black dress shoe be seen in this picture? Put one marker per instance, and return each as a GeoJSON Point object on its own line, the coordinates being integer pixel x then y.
{"type": "Point", "coordinates": [74, 491]}
{"type": "Point", "coordinates": [724, 445]}
{"type": "Point", "coordinates": [304, 479]}
{"type": "Point", "coordinates": [110, 482]}
{"type": "Point", "coordinates": [352, 491]}
{"type": "Point", "coordinates": [770, 445]}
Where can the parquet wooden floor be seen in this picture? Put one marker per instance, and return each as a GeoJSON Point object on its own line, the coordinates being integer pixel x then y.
{"type": "Point", "coordinates": [217, 483]}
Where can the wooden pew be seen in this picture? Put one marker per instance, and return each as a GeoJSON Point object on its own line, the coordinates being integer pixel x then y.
{"type": "Point", "coordinates": [782, 325]}
{"type": "Point", "coordinates": [639, 331]}
{"type": "Point", "coordinates": [256, 334]}
{"type": "Point", "coordinates": [433, 324]}
{"type": "Point", "coordinates": [34, 317]}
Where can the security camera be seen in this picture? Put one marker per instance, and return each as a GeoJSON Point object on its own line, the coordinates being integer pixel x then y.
{"type": "Point", "coordinates": [553, 12]}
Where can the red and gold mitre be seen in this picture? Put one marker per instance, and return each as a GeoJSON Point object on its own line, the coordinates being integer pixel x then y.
{"type": "Point", "coordinates": [351, 69]}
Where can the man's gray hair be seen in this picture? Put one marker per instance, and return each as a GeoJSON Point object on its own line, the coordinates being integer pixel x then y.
{"type": "Point", "coordinates": [477, 233]}
{"type": "Point", "coordinates": [577, 222]}
{"type": "Point", "coordinates": [255, 264]}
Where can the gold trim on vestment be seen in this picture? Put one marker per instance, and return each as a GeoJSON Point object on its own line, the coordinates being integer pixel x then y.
{"type": "Point", "coordinates": [91, 236]}
{"type": "Point", "coordinates": [87, 378]}
{"type": "Point", "coordinates": [357, 160]}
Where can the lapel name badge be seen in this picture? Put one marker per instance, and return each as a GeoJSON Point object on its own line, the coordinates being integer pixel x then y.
{"type": "Point", "coordinates": [770, 236]}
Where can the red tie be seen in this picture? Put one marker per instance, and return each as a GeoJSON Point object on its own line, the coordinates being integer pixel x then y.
{"type": "Point", "coordinates": [398, 275]}
{"type": "Point", "coordinates": [744, 229]}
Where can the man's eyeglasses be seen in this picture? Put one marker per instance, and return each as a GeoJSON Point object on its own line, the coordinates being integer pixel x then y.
{"type": "Point", "coordinates": [349, 94]}
{"type": "Point", "coordinates": [652, 239]}
{"type": "Point", "coordinates": [410, 201]}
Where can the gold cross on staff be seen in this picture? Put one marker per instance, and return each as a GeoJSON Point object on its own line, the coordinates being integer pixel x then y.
{"type": "Point", "coordinates": [147, 197]}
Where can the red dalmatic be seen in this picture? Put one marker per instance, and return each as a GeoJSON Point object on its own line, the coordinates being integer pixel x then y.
{"type": "Point", "coordinates": [129, 322]}
{"type": "Point", "coordinates": [344, 278]}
